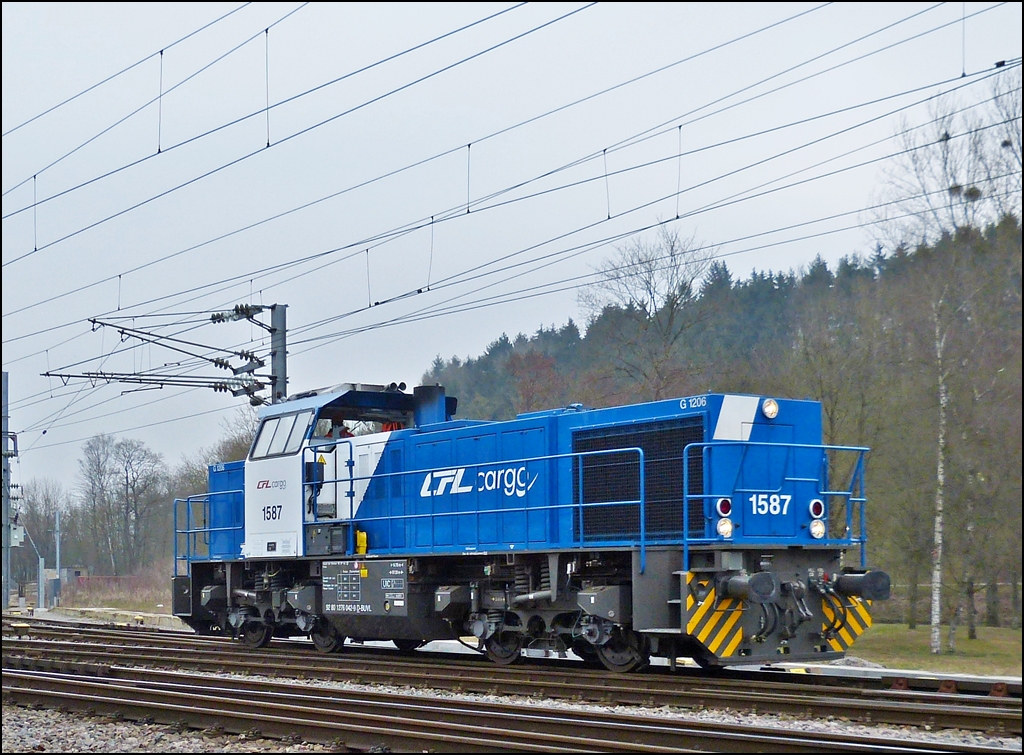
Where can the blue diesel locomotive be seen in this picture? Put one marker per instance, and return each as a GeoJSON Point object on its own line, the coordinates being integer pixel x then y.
{"type": "Point", "coordinates": [713, 527]}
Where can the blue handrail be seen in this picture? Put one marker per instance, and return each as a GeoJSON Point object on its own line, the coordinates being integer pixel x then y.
{"type": "Point", "coordinates": [192, 532]}
{"type": "Point", "coordinates": [197, 511]}
{"type": "Point", "coordinates": [788, 475]}
{"type": "Point", "coordinates": [382, 478]}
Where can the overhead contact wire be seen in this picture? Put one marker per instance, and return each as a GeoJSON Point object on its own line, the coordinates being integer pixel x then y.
{"type": "Point", "coordinates": [115, 75]}
{"type": "Point", "coordinates": [295, 135]}
{"type": "Point", "coordinates": [425, 160]}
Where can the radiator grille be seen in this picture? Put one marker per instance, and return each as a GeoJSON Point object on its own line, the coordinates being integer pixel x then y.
{"type": "Point", "coordinates": [615, 477]}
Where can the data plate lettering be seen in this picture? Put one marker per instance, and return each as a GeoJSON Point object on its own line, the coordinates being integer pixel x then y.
{"type": "Point", "coordinates": [369, 588]}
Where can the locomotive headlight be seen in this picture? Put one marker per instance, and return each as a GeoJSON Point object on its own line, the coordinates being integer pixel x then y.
{"type": "Point", "coordinates": [724, 527]}
{"type": "Point", "coordinates": [817, 529]}
{"type": "Point", "coordinates": [770, 408]}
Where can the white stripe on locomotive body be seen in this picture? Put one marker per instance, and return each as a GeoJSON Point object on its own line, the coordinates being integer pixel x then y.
{"type": "Point", "coordinates": [736, 418]}
{"type": "Point", "coordinates": [367, 452]}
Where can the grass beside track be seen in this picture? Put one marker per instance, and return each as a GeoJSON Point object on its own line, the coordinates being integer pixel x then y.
{"type": "Point", "coordinates": [996, 652]}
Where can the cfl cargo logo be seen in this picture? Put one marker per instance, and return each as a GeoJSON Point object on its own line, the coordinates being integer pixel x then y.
{"type": "Point", "coordinates": [268, 484]}
{"type": "Point", "coordinates": [513, 481]}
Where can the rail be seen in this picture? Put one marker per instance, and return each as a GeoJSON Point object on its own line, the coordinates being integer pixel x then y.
{"type": "Point", "coordinates": [193, 541]}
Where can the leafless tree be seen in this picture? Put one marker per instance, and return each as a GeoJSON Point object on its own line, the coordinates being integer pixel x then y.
{"type": "Point", "coordinates": [959, 173]}
{"type": "Point", "coordinates": [536, 381]}
{"type": "Point", "coordinates": [144, 500]}
{"type": "Point", "coordinates": [961, 169]}
{"type": "Point", "coordinates": [40, 502]}
{"type": "Point", "coordinates": [1001, 161]}
{"type": "Point", "coordinates": [190, 476]}
{"type": "Point", "coordinates": [96, 491]}
{"type": "Point", "coordinates": [655, 283]}
{"type": "Point", "coordinates": [122, 486]}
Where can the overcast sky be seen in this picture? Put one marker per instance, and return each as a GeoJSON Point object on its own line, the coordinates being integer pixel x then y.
{"type": "Point", "coordinates": [437, 174]}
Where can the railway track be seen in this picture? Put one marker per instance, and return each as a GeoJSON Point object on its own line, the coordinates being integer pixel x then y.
{"type": "Point", "coordinates": [59, 647]}
{"type": "Point", "coordinates": [751, 677]}
{"type": "Point", "coordinates": [46, 662]}
{"type": "Point", "coordinates": [352, 720]}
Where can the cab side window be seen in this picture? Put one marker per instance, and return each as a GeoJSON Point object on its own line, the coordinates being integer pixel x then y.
{"type": "Point", "coordinates": [281, 435]}
{"type": "Point", "coordinates": [265, 437]}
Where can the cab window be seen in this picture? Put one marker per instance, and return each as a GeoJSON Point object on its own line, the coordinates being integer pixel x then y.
{"type": "Point", "coordinates": [281, 435]}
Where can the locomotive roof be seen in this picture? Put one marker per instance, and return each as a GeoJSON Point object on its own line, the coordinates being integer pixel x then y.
{"type": "Point", "coordinates": [361, 395]}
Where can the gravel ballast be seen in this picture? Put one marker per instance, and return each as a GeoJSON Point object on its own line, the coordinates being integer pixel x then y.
{"type": "Point", "coordinates": [41, 730]}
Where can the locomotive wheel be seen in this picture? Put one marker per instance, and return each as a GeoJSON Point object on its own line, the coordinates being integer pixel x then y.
{"type": "Point", "coordinates": [256, 634]}
{"type": "Point", "coordinates": [408, 646]}
{"type": "Point", "coordinates": [504, 648]}
{"type": "Point", "coordinates": [625, 651]}
{"type": "Point", "coordinates": [326, 638]}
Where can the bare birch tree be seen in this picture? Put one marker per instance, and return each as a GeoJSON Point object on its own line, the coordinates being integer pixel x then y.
{"type": "Point", "coordinates": [941, 376]}
{"type": "Point", "coordinates": [953, 176]}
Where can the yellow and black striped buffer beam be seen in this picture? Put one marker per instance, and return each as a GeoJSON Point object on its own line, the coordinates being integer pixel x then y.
{"type": "Point", "coordinates": [715, 623]}
{"type": "Point", "coordinates": [842, 627]}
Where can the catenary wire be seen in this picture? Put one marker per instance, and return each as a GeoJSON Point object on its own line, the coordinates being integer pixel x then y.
{"type": "Point", "coordinates": [223, 236]}
{"type": "Point", "coordinates": [164, 92]}
{"type": "Point", "coordinates": [573, 163]}
{"type": "Point", "coordinates": [522, 295]}
{"type": "Point", "coordinates": [293, 135]}
{"type": "Point", "coordinates": [254, 274]}
{"type": "Point", "coordinates": [122, 71]}
{"type": "Point", "coordinates": [242, 119]}
{"type": "Point", "coordinates": [582, 280]}
{"type": "Point", "coordinates": [604, 242]}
